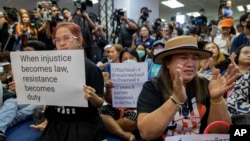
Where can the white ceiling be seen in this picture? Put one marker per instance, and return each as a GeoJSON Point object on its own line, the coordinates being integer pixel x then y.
{"type": "Point", "coordinates": [211, 8]}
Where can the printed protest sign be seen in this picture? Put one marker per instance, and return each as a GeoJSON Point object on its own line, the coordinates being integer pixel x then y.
{"type": "Point", "coordinates": [49, 77]}
{"type": "Point", "coordinates": [128, 80]}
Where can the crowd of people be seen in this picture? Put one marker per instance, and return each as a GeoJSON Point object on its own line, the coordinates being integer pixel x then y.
{"type": "Point", "coordinates": [197, 74]}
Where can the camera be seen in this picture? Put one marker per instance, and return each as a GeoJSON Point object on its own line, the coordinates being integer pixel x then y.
{"type": "Point", "coordinates": [83, 4]}
{"type": "Point", "coordinates": [32, 20]}
{"type": "Point", "coordinates": [157, 25]}
{"type": "Point", "coordinates": [44, 4]}
{"type": "Point", "coordinates": [145, 13]}
{"type": "Point", "coordinates": [118, 13]}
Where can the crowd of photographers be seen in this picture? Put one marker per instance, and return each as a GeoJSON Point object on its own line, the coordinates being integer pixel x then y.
{"type": "Point", "coordinates": [20, 25]}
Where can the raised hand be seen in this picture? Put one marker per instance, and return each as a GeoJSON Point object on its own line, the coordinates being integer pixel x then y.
{"type": "Point", "coordinates": [89, 92]}
{"type": "Point", "coordinates": [179, 91]}
{"type": "Point", "coordinates": [219, 85]}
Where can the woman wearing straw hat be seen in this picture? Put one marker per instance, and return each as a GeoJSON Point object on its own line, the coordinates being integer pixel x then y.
{"type": "Point", "coordinates": [178, 101]}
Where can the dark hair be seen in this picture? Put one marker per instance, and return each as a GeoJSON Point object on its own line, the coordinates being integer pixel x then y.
{"type": "Point", "coordinates": [202, 10]}
{"type": "Point", "coordinates": [5, 56]}
{"type": "Point", "coordinates": [145, 49]}
{"type": "Point", "coordinates": [65, 9]}
{"type": "Point", "coordinates": [237, 52]}
{"type": "Point", "coordinates": [171, 27]}
{"type": "Point", "coordinates": [36, 44]}
{"type": "Point", "coordinates": [129, 50]}
{"type": "Point", "coordinates": [11, 13]}
{"type": "Point", "coordinates": [243, 17]}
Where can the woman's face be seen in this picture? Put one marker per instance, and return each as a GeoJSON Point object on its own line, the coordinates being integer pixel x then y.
{"type": "Point", "coordinates": [244, 56]}
{"type": "Point", "coordinates": [65, 40]}
{"type": "Point", "coordinates": [140, 47]}
{"type": "Point", "coordinates": [190, 63]}
{"type": "Point", "coordinates": [166, 30]}
{"type": "Point", "coordinates": [25, 18]}
{"type": "Point", "coordinates": [127, 56]}
{"type": "Point", "coordinates": [113, 54]}
{"type": "Point", "coordinates": [225, 30]}
{"type": "Point", "coordinates": [144, 32]}
{"type": "Point", "coordinates": [211, 47]}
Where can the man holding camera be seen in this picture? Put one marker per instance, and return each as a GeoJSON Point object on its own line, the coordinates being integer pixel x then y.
{"type": "Point", "coordinates": [127, 28]}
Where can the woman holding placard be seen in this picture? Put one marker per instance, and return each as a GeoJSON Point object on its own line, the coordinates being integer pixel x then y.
{"type": "Point", "coordinates": [120, 121]}
{"type": "Point", "coordinates": [76, 123]}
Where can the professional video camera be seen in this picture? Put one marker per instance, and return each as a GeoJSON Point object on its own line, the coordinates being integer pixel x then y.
{"type": "Point", "coordinates": [145, 13]}
{"type": "Point", "coordinates": [44, 4]}
{"type": "Point", "coordinates": [118, 13]}
{"type": "Point", "coordinates": [83, 4]}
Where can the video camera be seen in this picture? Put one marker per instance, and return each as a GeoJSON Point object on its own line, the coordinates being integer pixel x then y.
{"type": "Point", "coordinates": [145, 13]}
{"type": "Point", "coordinates": [83, 4]}
{"type": "Point", "coordinates": [118, 13]}
{"type": "Point", "coordinates": [44, 4]}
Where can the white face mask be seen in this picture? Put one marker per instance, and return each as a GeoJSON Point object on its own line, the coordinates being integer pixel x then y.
{"type": "Point", "coordinates": [130, 61]}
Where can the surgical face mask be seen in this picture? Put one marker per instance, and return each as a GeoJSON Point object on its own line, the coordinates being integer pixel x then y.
{"type": "Point", "coordinates": [130, 61]}
{"type": "Point", "coordinates": [141, 53]}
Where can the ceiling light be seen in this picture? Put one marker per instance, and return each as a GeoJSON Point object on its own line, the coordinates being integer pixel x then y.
{"type": "Point", "coordinates": [248, 7]}
{"type": "Point", "coordinates": [240, 8]}
{"type": "Point", "coordinates": [195, 14]}
{"type": "Point", "coordinates": [173, 4]}
{"type": "Point", "coordinates": [163, 20]}
{"type": "Point", "coordinates": [95, 1]}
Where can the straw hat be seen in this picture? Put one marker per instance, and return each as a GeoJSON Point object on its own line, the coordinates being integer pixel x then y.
{"type": "Point", "coordinates": [181, 44]}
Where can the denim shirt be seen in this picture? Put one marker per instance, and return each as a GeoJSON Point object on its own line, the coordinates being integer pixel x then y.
{"type": "Point", "coordinates": [241, 39]}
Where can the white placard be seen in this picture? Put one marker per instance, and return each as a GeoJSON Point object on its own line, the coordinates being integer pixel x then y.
{"type": "Point", "coordinates": [49, 77]}
{"type": "Point", "coordinates": [128, 79]}
{"type": "Point", "coordinates": [199, 137]}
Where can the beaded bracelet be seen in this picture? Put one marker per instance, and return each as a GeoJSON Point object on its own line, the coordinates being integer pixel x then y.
{"type": "Point", "coordinates": [217, 103]}
{"type": "Point", "coordinates": [178, 104]}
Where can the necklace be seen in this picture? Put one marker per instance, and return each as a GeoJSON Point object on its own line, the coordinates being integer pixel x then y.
{"type": "Point", "coordinates": [185, 109]}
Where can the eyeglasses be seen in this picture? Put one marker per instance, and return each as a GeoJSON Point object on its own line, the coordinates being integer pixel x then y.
{"type": "Point", "coordinates": [65, 38]}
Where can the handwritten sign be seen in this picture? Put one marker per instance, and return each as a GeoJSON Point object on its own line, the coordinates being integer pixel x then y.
{"type": "Point", "coordinates": [128, 80]}
{"type": "Point", "coordinates": [49, 77]}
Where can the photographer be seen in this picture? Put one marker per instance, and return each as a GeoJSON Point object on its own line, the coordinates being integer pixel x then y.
{"type": "Point", "coordinates": [39, 24]}
{"type": "Point", "coordinates": [8, 30]}
{"type": "Point", "coordinates": [87, 25]}
{"type": "Point", "coordinates": [53, 19]}
{"type": "Point", "coordinates": [143, 17]}
{"type": "Point", "coordinates": [157, 29]}
{"type": "Point", "coordinates": [125, 28]}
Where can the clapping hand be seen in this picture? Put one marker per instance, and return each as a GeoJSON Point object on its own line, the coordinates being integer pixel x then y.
{"type": "Point", "coordinates": [219, 85]}
{"type": "Point", "coordinates": [179, 90]}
